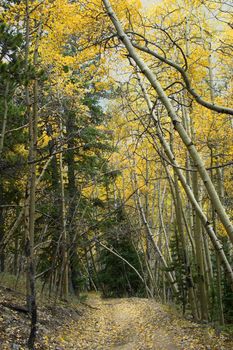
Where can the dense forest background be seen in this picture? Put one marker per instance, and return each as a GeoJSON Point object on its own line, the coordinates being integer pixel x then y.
{"type": "Point", "coordinates": [116, 151]}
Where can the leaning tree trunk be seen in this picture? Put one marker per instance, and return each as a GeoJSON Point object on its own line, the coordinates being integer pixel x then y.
{"type": "Point", "coordinates": [175, 120]}
{"type": "Point", "coordinates": [206, 224]}
{"type": "Point", "coordinates": [157, 250]}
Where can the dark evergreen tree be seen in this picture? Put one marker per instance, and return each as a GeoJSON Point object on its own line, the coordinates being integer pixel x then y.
{"type": "Point", "coordinates": [116, 277]}
{"type": "Point", "coordinates": [11, 117]}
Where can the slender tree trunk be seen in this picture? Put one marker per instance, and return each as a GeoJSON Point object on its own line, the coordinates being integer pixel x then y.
{"type": "Point", "coordinates": [5, 114]}
{"type": "Point", "coordinates": [65, 263]}
{"type": "Point", "coordinates": [155, 245]}
{"type": "Point", "coordinates": [31, 202]}
{"type": "Point", "coordinates": [185, 258]}
{"type": "Point", "coordinates": [149, 248]}
{"type": "Point", "coordinates": [16, 255]}
{"type": "Point", "coordinates": [206, 224]}
{"type": "Point", "coordinates": [199, 255]}
{"type": "Point", "coordinates": [73, 198]}
{"type": "Point", "coordinates": [175, 120]}
{"type": "Point", "coordinates": [160, 206]}
{"type": "Point", "coordinates": [208, 266]}
{"type": "Point", "coordinates": [131, 266]}
{"type": "Point", "coordinates": [2, 229]}
{"type": "Point", "coordinates": [220, 189]}
{"type": "Point", "coordinates": [219, 272]}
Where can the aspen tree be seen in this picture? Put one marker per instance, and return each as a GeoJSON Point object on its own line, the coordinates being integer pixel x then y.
{"type": "Point", "coordinates": [206, 224]}
{"type": "Point", "coordinates": [220, 188]}
{"type": "Point", "coordinates": [169, 275]}
{"type": "Point", "coordinates": [195, 222]}
{"type": "Point", "coordinates": [174, 118]}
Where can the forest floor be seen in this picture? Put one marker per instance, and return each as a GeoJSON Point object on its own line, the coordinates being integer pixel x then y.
{"type": "Point", "coordinates": [105, 324]}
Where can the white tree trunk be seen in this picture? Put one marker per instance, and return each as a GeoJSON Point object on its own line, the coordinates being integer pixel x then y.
{"type": "Point", "coordinates": [175, 120]}
{"type": "Point", "coordinates": [206, 224]}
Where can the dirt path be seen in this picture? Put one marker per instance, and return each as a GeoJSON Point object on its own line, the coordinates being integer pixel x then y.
{"type": "Point", "coordinates": [130, 325]}
{"type": "Point", "coordinates": [104, 324]}
{"type": "Point", "coordinates": [136, 329]}
{"type": "Point", "coordinates": [135, 324]}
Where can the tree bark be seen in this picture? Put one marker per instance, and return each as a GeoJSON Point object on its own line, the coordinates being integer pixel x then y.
{"type": "Point", "coordinates": [199, 255]}
{"type": "Point", "coordinates": [5, 114]}
{"type": "Point", "coordinates": [175, 120]}
{"type": "Point", "coordinates": [73, 199]}
{"type": "Point", "coordinates": [31, 202]}
{"type": "Point", "coordinates": [206, 224]}
{"type": "Point", "coordinates": [65, 262]}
